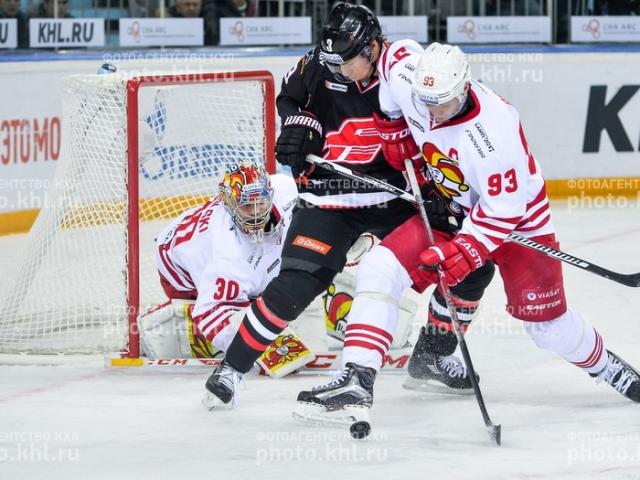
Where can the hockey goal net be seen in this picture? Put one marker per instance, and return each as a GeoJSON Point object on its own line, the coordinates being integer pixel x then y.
{"type": "Point", "coordinates": [136, 152]}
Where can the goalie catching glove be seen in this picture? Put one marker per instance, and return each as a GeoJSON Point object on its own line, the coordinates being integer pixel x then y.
{"type": "Point", "coordinates": [458, 258]}
{"type": "Point", "coordinates": [301, 135]}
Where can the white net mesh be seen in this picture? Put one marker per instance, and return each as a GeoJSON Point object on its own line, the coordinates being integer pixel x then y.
{"type": "Point", "coordinates": [70, 293]}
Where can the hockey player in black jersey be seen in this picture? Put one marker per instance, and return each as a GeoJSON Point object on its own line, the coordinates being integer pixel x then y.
{"type": "Point", "coordinates": [326, 113]}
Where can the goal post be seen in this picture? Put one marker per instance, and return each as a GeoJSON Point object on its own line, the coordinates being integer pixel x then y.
{"type": "Point", "coordinates": [136, 152]}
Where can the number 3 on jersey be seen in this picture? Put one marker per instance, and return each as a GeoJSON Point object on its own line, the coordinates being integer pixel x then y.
{"type": "Point", "coordinates": [226, 289]}
{"type": "Point", "coordinates": [496, 184]}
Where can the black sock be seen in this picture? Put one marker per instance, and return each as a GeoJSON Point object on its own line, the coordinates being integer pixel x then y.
{"type": "Point", "coordinates": [258, 329]}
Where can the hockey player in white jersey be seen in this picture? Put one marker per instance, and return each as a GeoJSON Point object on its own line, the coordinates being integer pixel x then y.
{"type": "Point", "coordinates": [372, 319]}
{"type": "Point", "coordinates": [474, 148]}
{"type": "Point", "coordinates": [218, 257]}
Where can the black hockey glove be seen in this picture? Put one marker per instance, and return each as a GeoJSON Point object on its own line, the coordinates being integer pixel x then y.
{"type": "Point", "coordinates": [301, 135]}
{"type": "Point", "coordinates": [439, 211]}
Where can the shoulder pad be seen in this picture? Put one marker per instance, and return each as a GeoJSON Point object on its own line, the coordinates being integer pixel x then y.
{"type": "Point", "coordinates": [396, 53]}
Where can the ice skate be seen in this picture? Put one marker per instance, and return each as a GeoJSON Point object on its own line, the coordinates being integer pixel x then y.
{"type": "Point", "coordinates": [221, 387]}
{"type": "Point", "coordinates": [430, 372]}
{"type": "Point", "coordinates": [621, 376]}
{"type": "Point", "coordinates": [345, 400]}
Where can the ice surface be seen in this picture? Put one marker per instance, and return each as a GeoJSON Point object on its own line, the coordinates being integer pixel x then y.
{"type": "Point", "coordinates": [80, 420]}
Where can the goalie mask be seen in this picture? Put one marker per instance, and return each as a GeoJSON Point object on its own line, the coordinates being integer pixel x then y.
{"type": "Point", "coordinates": [248, 196]}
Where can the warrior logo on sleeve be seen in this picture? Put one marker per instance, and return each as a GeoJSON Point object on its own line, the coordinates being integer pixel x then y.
{"type": "Point", "coordinates": [446, 174]}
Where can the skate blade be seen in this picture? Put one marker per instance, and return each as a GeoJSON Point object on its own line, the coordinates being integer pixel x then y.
{"type": "Point", "coordinates": [432, 386]}
{"type": "Point", "coordinates": [318, 416]}
{"type": "Point", "coordinates": [210, 402]}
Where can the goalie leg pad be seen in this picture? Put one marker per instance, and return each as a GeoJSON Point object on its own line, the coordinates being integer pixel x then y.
{"type": "Point", "coordinates": [374, 314]}
{"type": "Point", "coordinates": [337, 303]}
{"type": "Point", "coordinates": [285, 354]}
{"type": "Point", "coordinates": [573, 338]}
{"type": "Point", "coordinates": [168, 331]}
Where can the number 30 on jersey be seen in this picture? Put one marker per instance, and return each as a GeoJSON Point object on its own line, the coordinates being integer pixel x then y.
{"type": "Point", "coordinates": [226, 289]}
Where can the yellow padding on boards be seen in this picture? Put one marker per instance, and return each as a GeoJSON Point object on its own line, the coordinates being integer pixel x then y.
{"type": "Point", "coordinates": [106, 213]}
{"type": "Point", "coordinates": [593, 188]}
{"type": "Point", "coordinates": [127, 362]}
{"type": "Point", "coordinates": [17, 222]}
{"type": "Point", "coordinates": [166, 207]}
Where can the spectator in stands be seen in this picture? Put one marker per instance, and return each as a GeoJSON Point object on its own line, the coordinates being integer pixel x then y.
{"type": "Point", "coordinates": [184, 9]}
{"type": "Point", "coordinates": [513, 7]}
{"type": "Point", "coordinates": [11, 9]}
{"type": "Point", "coordinates": [620, 7]}
{"type": "Point", "coordinates": [214, 10]}
{"type": "Point", "coordinates": [47, 9]}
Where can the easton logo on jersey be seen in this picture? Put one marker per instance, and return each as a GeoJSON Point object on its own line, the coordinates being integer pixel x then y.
{"type": "Point", "coordinates": [446, 174]}
{"type": "Point", "coordinates": [356, 141]}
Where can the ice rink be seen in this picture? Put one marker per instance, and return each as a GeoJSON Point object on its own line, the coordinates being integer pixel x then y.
{"type": "Point", "coordinates": [79, 420]}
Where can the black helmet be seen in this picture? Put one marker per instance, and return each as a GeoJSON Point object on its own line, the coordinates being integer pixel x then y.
{"type": "Point", "coordinates": [349, 29]}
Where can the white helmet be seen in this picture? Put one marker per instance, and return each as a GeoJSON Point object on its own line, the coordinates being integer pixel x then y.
{"type": "Point", "coordinates": [441, 75]}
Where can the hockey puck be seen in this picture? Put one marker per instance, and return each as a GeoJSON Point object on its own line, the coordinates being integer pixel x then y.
{"type": "Point", "coordinates": [360, 430]}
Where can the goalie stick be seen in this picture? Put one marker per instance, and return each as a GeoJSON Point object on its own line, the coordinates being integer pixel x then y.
{"type": "Point", "coordinates": [495, 431]}
{"type": "Point", "coordinates": [395, 361]}
{"type": "Point", "coordinates": [627, 279]}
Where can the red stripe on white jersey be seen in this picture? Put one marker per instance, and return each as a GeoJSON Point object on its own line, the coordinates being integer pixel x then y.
{"type": "Point", "coordinates": [540, 197]}
{"type": "Point", "coordinates": [383, 64]}
{"type": "Point", "coordinates": [507, 220]}
{"type": "Point", "coordinates": [537, 216]}
{"type": "Point", "coordinates": [525, 145]}
{"type": "Point", "coordinates": [215, 328]}
{"type": "Point", "coordinates": [180, 281]}
{"type": "Point", "coordinates": [208, 320]}
{"type": "Point", "coordinates": [492, 228]}
{"type": "Point", "coordinates": [538, 226]}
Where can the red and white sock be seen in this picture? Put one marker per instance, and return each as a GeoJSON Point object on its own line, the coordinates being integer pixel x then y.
{"type": "Point", "coordinates": [373, 317]}
{"type": "Point", "coordinates": [573, 338]}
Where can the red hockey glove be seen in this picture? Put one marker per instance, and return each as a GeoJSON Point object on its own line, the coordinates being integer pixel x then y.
{"type": "Point", "coordinates": [397, 142]}
{"type": "Point", "coordinates": [458, 258]}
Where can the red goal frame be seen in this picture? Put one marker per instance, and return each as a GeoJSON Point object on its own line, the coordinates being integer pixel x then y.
{"type": "Point", "coordinates": [133, 235]}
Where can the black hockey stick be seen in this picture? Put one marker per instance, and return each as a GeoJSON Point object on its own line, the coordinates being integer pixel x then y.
{"type": "Point", "coordinates": [495, 431]}
{"type": "Point", "coordinates": [628, 279]}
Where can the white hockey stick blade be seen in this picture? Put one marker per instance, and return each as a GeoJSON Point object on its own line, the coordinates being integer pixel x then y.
{"type": "Point", "coordinates": [432, 386]}
{"type": "Point", "coordinates": [395, 361]}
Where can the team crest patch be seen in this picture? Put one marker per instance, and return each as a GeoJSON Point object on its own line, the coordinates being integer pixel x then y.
{"type": "Point", "coordinates": [335, 86]}
{"type": "Point", "coordinates": [311, 244]}
{"type": "Point", "coordinates": [336, 306]}
{"type": "Point", "coordinates": [445, 172]}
